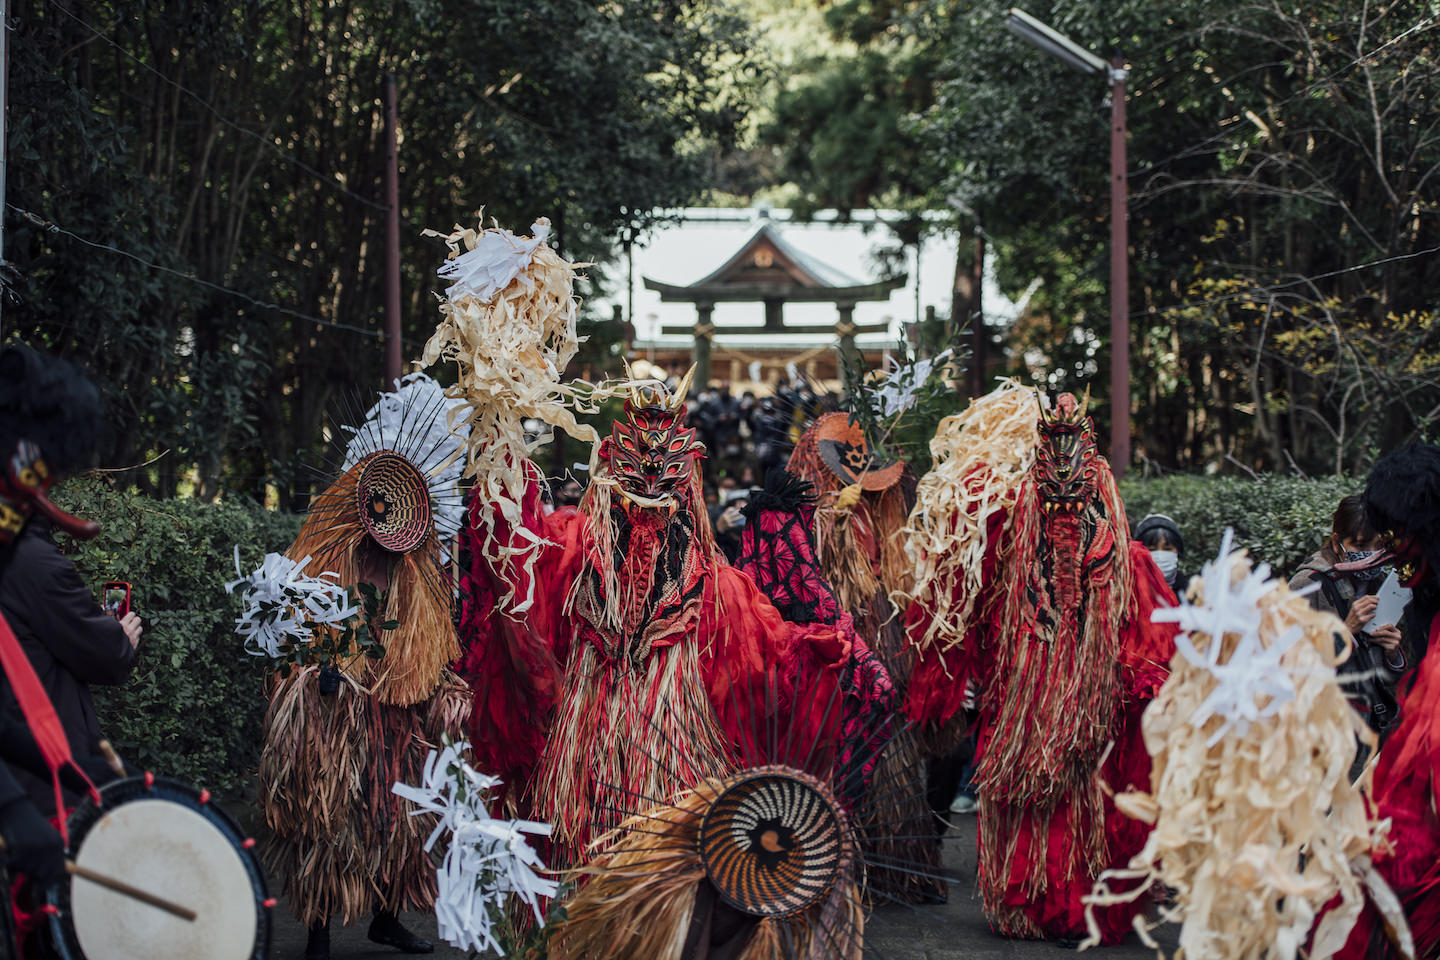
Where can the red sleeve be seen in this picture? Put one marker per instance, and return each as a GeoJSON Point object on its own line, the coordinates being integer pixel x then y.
{"type": "Point", "coordinates": [510, 661]}
{"type": "Point", "coordinates": [745, 649]}
{"type": "Point", "coordinates": [1147, 647]}
{"type": "Point", "coordinates": [937, 683]}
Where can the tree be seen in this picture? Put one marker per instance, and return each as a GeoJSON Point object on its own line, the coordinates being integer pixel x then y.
{"type": "Point", "coordinates": [1276, 152]}
{"type": "Point", "coordinates": [242, 145]}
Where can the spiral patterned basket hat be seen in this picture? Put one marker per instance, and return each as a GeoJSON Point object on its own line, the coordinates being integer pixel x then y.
{"type": "Point", "coordinates": [774, 841]}
{"type": "Point", "coordinates": [394, 501]}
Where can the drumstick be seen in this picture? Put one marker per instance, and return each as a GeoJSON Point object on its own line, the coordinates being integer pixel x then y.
{"type": "Point", "coordinates": [112, 758]}
{"type": "Point", "coordinates": [123, 888]}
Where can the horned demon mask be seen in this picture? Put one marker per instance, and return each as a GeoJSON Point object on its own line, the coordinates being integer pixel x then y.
{"type": "Point", "coordinates": [650, 450]}
{"type": "Point", "coordinates": [1067, 462]}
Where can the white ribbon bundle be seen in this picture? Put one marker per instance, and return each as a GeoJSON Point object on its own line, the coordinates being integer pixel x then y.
{"type": "Point", "coordinates": [897, 391]}
{"type": "Point", "coordinates": [1253, 682]}
{"type": "Point", "coordinates": [486, 860]}
{"type": "Point", "coordinates": [282, 606]}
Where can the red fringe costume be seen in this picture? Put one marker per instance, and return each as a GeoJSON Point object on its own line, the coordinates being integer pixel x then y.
{"type": "Point", "coordinates": [645, 664]}
{"type": "Point", "coordinates": [1062, 646]}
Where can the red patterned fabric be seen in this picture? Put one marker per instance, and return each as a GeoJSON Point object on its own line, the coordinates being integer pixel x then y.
{"type": "Point", "coordinates": [776, 552]}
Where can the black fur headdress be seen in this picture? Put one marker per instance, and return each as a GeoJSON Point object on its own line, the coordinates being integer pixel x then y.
{"type": "Point", "coordinates": [50, 403]}
{"type": "Point", "coordinates": [1403, 493]}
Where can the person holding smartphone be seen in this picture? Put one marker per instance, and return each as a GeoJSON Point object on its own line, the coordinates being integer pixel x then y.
{"type": "Point", "coordinates": [1373, 671]}
{"type": "Point", "coordinates": [48, 415]}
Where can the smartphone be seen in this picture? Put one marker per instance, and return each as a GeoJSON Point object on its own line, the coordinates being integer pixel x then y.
{"type": "Point", "coordinates": [1393, 599]}
{"type": "Point", "coordinates": [115, 598]}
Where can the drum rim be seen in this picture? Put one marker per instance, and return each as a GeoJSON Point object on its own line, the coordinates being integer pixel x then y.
{"type": "Point", "coordinates": [117, 792]}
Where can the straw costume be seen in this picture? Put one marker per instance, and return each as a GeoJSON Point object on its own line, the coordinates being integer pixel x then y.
{"type": "Point", "coordinates": [857, 526]}
{"type": "Point", "coordinates": [1257, 828]}
{"type": "Point", "coordinates": [1027, 581]}
{"type": "Point", "coordinates": [337, 737]}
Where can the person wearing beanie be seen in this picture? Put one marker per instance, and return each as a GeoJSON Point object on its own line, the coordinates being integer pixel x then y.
{"type": "Point", "coordinates": [1161, 536]}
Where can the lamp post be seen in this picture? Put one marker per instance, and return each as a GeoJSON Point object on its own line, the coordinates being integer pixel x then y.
{"type": "Point", "coordinates": [1062, 48]}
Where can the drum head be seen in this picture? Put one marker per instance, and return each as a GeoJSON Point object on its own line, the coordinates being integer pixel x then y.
{"type": "Point", "coordinates": [169, 840]}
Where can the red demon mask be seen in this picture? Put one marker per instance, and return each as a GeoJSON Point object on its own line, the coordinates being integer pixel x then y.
{"type": "Point", "coordinates": [1067, 462]}
{"type": "Point", "coordinates": [650, 450]}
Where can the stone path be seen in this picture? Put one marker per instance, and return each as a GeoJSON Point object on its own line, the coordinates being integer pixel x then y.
{"type": "Point", "coordinates": [949, 932]}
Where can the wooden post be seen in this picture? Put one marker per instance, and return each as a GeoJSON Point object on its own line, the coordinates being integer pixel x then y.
{"type": "Point", "coordinates": [849, 352]}
{"type": "Point", "coordinates": [1119, 277]}
{"type": "Point", "coordinates": [392, 237]}
{"type": "Point", "coordinates": [704, 331]}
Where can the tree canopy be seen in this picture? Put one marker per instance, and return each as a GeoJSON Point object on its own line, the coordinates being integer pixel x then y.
{"type": "Point", "coordinates": [232, 156]}
{"type": "Point", "coordinates": [1283, 178]}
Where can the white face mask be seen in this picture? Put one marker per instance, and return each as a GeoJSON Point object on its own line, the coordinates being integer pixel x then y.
{"type": "Point", "coordinates": [1168, 561]}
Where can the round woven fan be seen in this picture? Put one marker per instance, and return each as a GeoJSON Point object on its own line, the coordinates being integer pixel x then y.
{"type": "Point", "coordinates": [774, 841]}
{"type": "Point", "coordinates": [394, 501]}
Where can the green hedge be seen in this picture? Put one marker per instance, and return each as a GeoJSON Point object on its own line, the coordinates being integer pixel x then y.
{"type": "Point", "coordinates": [194, 705]}
{"type": "Point", "coordinates": [1280, 520]}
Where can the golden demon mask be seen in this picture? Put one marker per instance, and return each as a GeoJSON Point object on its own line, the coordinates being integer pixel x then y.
{"type": "Point", "coordinates": [1067, 462]}
{"type": "Point", "coordinates": [650, 450]}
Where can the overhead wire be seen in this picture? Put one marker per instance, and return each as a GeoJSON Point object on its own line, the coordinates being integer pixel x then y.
{"type": "Point", "coordinates": [49, 226]}
{"type": "Point", "coordinates": [1260, 291]}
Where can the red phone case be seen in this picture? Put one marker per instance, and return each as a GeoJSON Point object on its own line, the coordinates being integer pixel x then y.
{"type": "Point", "coordinates": [124, 607]}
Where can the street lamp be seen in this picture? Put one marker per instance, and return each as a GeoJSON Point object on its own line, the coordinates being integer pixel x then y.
{"type": "Point", "coordinates": [1062, 48]}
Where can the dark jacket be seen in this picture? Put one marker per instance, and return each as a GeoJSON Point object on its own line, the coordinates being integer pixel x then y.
{"type": "Point", "coordinates": [70, 641]}
{"type": "Point", "coordinates": [1370, 675]}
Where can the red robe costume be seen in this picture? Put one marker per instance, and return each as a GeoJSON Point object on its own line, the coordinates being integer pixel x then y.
{"type": "Point", "coordinates": [645, 663]}
{"type": "Point", "coordinates": [1066, 658]}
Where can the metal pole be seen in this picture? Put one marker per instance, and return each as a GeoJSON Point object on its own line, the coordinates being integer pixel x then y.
{"type": "Point", "coordinates": [392, 237]}
{"type": "Point", "coordinates": [4, 134]}
{"type": "Point", "coordinates": [1119, 277]}
{"type": "Point", "coordinates": [977, 310]}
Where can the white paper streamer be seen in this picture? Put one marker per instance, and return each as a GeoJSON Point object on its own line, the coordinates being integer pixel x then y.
{"type": "Point", "coordinates": [1253, 683]}
{"type": "Point", "coordinates": [282, 606]}
{"type": "Point", "coordinates": [486, 860]}
{"type": "Point", "coordinates": [498, 257]}
{"type": "Point", "coordinates": [897, 392]}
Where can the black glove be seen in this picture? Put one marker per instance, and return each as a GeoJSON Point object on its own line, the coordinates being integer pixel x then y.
{"type": "Point", "coordinates": [33, 845]}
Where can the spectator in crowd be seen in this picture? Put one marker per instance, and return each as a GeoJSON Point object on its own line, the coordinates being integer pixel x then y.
{"type": "Point", "coordinates": [567, 498]}
{"type": "Point", "coordinates": [1378, 660]}
{"type": "Point", "coordinates": [728, 518]}
{"type": "Point", "coordinates": [1161, 536]}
